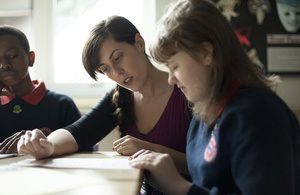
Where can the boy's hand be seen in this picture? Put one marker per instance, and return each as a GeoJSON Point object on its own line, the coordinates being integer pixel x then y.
{"type": "Point", "coordinates": [4, 91]}
{"type": "Point", "coordinates": [9, 145]}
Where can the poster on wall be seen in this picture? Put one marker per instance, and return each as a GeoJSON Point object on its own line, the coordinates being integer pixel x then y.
{"type": "Point", "coordinates": [269, 30]}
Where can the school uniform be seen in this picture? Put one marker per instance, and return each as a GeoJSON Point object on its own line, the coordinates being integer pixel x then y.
{"type": "Point", "coordinates": [253, 148]}
{"type": "Point", "coordinates": [41, 108]}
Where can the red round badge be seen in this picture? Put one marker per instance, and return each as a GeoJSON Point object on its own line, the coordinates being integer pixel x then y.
{"type": "Point", "coordinates": [46, 130]}
{"type": "Point", "coordinates": [211, 150]}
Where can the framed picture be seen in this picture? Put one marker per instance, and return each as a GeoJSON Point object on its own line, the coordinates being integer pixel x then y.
{"type": "Point", "coordinates": [269, 30]}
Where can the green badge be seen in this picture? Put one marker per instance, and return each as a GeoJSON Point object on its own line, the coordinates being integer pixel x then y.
{"type": "Point", "coordinates": [17, 109]}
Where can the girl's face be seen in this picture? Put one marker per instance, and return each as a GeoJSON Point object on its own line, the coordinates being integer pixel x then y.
{"type": "Point", "coordinates": [124, 63]}
{"type": "Point", "coordinates": [191, 76]}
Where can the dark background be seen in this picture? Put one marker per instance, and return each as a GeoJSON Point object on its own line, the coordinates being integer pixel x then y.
{"type": "Point", "coordinates": [258, 37]}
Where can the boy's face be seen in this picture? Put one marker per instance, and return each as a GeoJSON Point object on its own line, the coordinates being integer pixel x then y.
{"type": "Point", "coordinates": [14, 61]}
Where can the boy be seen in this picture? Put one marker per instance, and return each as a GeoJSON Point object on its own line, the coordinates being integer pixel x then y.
{"type": "Point", "coordinates": [26, 104]}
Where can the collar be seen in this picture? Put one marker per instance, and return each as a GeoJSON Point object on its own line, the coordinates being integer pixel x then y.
{"type": "Point", "coordinates": [34, 97]}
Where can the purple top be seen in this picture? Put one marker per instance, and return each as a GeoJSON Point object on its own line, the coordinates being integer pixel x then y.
{"type": "Point", "coordinates": [171, 129]}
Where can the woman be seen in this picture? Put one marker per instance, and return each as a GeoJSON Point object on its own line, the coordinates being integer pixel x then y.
{"type": "Point", "coordinates": [151, 113]}
{"type": "Point", "coordinates": [243, 139]}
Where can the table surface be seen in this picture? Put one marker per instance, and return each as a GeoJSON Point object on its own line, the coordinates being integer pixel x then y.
{"type": "Point", "coordinates": [65, 181]}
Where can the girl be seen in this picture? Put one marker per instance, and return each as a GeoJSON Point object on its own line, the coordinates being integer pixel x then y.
{"type": "Point", "coordinates": [243, 139]}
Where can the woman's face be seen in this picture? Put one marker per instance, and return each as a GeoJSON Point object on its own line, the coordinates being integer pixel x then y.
{"type": "Point", "coordinates": [124, 63]}
{"type": "Point", "coordinates": [191, 76]}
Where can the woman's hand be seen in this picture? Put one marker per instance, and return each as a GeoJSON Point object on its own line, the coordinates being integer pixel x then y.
{"type": "Point", "coordinates": [9, 145]}
{"type": "Point", "coordinates": [35, 144]}
{"type": "Point", "coordinates": [162, 170]}
{"type": "Point", "coordinates": [129, 145]}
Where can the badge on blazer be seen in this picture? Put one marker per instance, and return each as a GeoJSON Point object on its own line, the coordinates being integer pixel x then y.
{"type": "Point", "coordinates": [17, 109]}
{"type": "Point", "coordinates": [46, 130]}
{"type": "Point", "coordinates": [211, 150]}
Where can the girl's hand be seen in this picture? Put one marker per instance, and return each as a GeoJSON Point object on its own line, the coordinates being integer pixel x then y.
{"type": "Point", "coordinates": [162, 170]}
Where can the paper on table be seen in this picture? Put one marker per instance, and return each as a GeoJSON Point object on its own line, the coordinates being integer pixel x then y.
{"type": "Point", "coordinates": [21, 181]}
{"type": "Point", "coordinates": [89, 163]}
{"type": "Point", "coordinates": [8, 155]}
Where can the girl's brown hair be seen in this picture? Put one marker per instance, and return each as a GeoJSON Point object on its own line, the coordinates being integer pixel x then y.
{"type": "Point", "coordinates": [187, 24]}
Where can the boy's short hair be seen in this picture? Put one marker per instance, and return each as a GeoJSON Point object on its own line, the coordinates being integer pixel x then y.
{"type": "Point", "coordinates": [11, 30]}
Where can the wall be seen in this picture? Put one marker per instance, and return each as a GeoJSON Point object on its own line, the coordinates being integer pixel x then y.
{"type": "Point", "coordinates": [288, 90]}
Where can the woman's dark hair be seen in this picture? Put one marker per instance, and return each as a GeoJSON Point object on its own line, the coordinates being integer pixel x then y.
{"type": "Point", "coordinates": [11, 30]}
{"type": "Point", "coordinates": [117, 27]}
{"type": "Point", "coordinates": [121, 30]}
{"type": "Point", "coordinates": [122, 99]}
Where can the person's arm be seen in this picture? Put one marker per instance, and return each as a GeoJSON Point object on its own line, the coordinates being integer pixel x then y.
{"type": "Point", "coordinates": [164, 175]}
{"type": "Point", "coordinates": [179, 158]}
{"type": "Point", "coordinates": [63, 142]}
{"type": "Point", "coordinates": [80, 135]}
{"type": "Point", "coordinates": [95, 124]}
{"type": "Point", "coordinates": [129, 145]}
{"type": "Point", "coordinates": [37, 145]}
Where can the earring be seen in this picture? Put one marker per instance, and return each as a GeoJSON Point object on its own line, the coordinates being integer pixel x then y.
{"type": "Point", "coordinates": [1, 66]}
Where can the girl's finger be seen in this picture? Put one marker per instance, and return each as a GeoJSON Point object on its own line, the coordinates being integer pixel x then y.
{"type": "Point", "coordinates": [137, 154]}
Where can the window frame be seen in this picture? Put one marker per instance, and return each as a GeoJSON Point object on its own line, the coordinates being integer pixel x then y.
{"type": "Point", "coordinates": [43, 30]}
